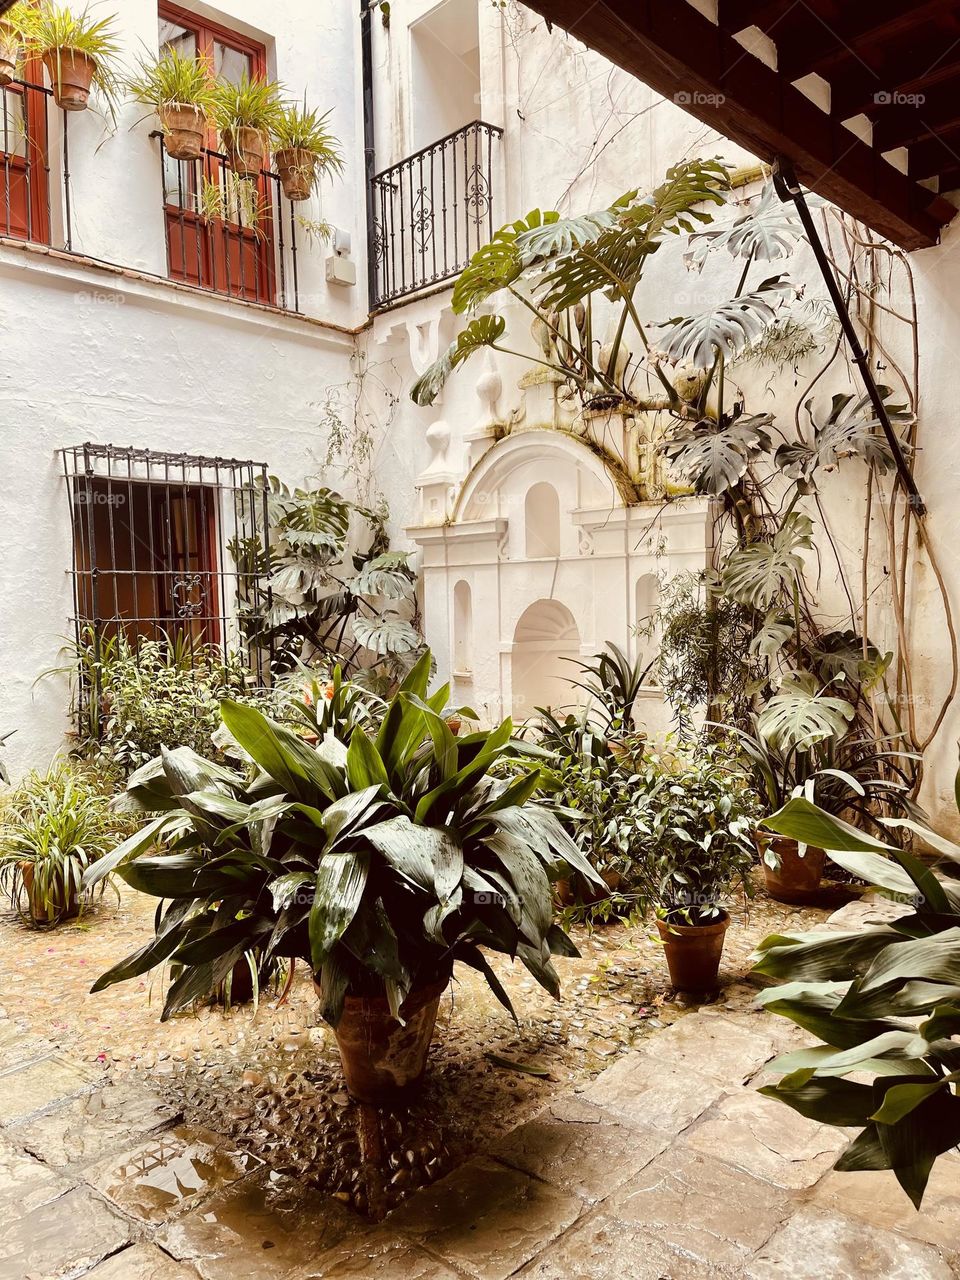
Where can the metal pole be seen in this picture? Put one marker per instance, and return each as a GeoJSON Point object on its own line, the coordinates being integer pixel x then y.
{"type": "Point", "coordinates": [369, 148]}
{"type": "Point", "coordinates": [789, 189]}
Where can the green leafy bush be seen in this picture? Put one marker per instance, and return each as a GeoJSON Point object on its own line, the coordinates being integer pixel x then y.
{"type": "Point", "coordinates": [379, 861]}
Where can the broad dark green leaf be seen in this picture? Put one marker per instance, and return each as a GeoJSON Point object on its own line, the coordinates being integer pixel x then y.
{"type": "Point", "coordinates": [341, 880]}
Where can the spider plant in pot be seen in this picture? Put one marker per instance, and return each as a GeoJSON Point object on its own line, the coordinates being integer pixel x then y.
{"type": "Point", "coordinates": [380, 860]}
{"type": "Point", "coordinates": [245, 113]}
{"type": "Point", "coordinates": [802, 745]}
{"type": "Point", "coordinates": [303, 149]}
{"type": "Point", "coordinates": [53, 828]}
{"type": "Point", "coordinates": [79, 52]}
{"type": "Point", "coordinates": [181, 92]}
{"type": "Point", "coordinates": [694, 846]}
{"type": "Point", "coordinates": [17, 28]}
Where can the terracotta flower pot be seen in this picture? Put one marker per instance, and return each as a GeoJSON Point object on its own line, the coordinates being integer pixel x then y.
{"type": "Point", "coordinates": [65, 905]}
{"type": "Point", "coordinates": [71, 75]}
{"type": "Point", "coordinates": [10, 47]}
{"type": "Point", "coordinates": [693, 953]}
{"type": "Point", "coordinates": [796, 880]}
{"type": "Point", "coordinates": [246, 150]}
{"type": "Point", "coordinates": [297, 170]}
{"type": "Point", "coordinates": [381, 1058]}
{"type": "Point", "coordinates": [183, 130]}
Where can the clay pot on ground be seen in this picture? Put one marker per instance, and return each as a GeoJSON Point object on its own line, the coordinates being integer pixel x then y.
{"type": "Point", "coordinates": [246, 151]}
{"type": "Point", "coordinates": [567, 896]}
{"type": "Point", "coordinates": [382, 1059]}
{"type": "Point", "coordinates": [66, 905]}
{"type": "Point", "coordinates": [693, 953]}
{"type": "Point", "coordinates": [183, 131]}
{"type": "Point", "coordinates": [796, 880]}
{"type": "Point", "coordinates": [297, 170]}
{"type": "Point", "coordinates": [10, 47]}
{"type": "Point", "coordinates": [71, 75]}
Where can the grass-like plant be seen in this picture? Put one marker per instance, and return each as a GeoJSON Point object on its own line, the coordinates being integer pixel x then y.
{"type": "Point", "coordinates": [251, 103]}
{"type": "Point", "coordinates": [174, 80]}
{"type": "Point", "coordinates": [57, 35]}
{"type": "Point", "coordinates": [53, 828]}
{"type": "Point", "coordinates": [298, 129]}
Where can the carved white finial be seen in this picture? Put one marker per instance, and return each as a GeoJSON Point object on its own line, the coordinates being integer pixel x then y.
{"type": "Point", "coordinates": [489, 389]}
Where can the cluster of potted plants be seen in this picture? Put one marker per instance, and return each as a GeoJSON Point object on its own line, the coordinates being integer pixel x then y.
{"type": "Point", "coordinates": [79, 51]}
{"type": "Point", "coordinates": [378, 859]}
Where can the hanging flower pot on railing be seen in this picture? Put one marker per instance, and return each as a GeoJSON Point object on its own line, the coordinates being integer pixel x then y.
{"type": "Point", "coordinates": [297, 170]}
{"type": "Point", "coordinates": [246, 150]}
{"type": "Point", "coordinates": [71, 75]}
{"type": "Point", "coordinates": [183, 131]}
{"type": "Point", "coordinates": [11, 48]}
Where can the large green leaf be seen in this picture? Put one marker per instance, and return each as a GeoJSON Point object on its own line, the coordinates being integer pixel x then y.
{"type": "Point", "coordinates": [937, 959]}
{"type": "Point", "coordinates": [831, 1101]}
{"type": "Point", "coordinates": [714, 457]}
{"type": "Point", "coordinates": [426, 856]}
{"type": "Point", "coordinates": [282, 754]}
{"type": "Point", "coordinates": [485, 331]}
{"type": "Point", "coordinates": [801, 715]}
{"type": "Point", "coordinates": [726, 330]}
{"type": "Point", "coordinates": [340, 883]}
{"type": "Point", "coordinates": [764, 574]}
{"type": "Point", "coordinates": [767, 230]}
{"type": "Point", "coordinates": [822, 957]}
{"type": "Point", "coordinates": [387, 635]}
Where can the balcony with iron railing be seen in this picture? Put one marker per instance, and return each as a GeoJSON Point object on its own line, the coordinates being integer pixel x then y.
{"type": "Point", "coordinates": [431, 212]}
{"type": "Point", "coordinates": [28, 210]}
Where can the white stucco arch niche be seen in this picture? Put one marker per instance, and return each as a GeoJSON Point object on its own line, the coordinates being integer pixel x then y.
{"type": "Point", "coordinates": [585, 571]}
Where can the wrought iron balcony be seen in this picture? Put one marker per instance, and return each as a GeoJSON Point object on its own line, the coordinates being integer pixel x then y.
{"type": "Point", "coordinates": [432, 211]}
{"type": "Point", "coordinates": [229, 234]}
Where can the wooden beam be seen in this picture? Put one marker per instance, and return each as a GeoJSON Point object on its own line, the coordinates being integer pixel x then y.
{"type": "Point", "coordinates": [903, 126]}
{"type": "Point", "coordinates": [808, 41]}
{"type": "Point", "coordinates": [927, 159]}
{"type": "Point", "coordinates": [692, 62]}
{"type": "Point", "coordinates": [902, 72]}
{"type": "Point", "coordinates": [737, 15]}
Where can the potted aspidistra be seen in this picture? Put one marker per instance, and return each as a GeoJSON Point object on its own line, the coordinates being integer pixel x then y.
{"type": "Point", "coordinates": [17, 27]}
{"type": "Point", "coordinates": [694, 849]}
{"type": "Point", "coordinates": [303, 149]}
{"type": "Point", "coordinates": [245, 112]}
{"type": "Point", "coordinates": [379, 859]}
{"type": "Point", "coordinates": [80, 52]}
{"type": "Point", "coordinates": [180, 90]}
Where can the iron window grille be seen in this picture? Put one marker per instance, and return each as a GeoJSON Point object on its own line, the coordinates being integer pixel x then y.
{"type": "Point", "coordinates": [167, 547]}
{"type": "Point", "coordinates": [432, 212]}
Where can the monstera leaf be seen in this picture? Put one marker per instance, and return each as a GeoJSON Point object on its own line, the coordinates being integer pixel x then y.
{"type": "Point", "coordinates": [485, 331]}
{"type": "Point", "coordinates": [767, 231]}
{"type": "Point", "coordinates": [760, 574]}
{"type": "Point", "coordinates": [713, 457]}
{"type": "Point", "coordinates": [772, 636]}
{"type": "Point", "coordinates": [559, 236]}
{"type": "Point", "coordinates": [852, 430]}
{"type": "Point", "coordinates": [801, 715]}
{"type": "Point", "coordinates": [728, 329]}
{"type": "Point", "coordinates": [389, 576]}
{"type": "Point", "coordinates": [497, 264]}
{"type": "Point", "coordinates": [844, 654]}
{"type": "Point", "coordinates": [386, 634]}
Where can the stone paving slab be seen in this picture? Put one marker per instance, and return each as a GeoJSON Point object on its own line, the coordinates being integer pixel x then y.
{"type": "Point", "coordinates": [378, 1255]}
{"type": "Point", "coordinates": [815, 1245]}
{"type": "Point", "coordinates": [767, 1140]}
{"type": "Point", "coordinates": [170, 1173]}
{"type": "Point", "coordinates": [654, 1095]}
{"type": "Point", "coordinates": [878, 1199]}
{"type": "Point", "coordinates": [61, 1238]}
{"type": "Point", "coordinates": [18, 1047]}
{"type": "Point", "coordinates": [715, 1046]}
{"type": "Point", "coordinates": [700, 1207]}
{"type": "Point", "coordinates": [141, 1262]}
{"type": "Point", "coordinates": [266, 1227]}
{"type": "Point", "coordinates": [605, 1248]}
{"type": "Point", "coordinates": [26, 1091]}
{"type": "Point", "coordinates": [580, 1148]}
{"type": "Point", "coordinates": [25, 1183]}
{"type": "Point", "coordinates": [486, 1218]}
{"type": "Point", "coordinates": [112, 1117]}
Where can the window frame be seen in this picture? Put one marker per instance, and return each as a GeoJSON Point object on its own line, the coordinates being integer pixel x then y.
{"type": "Point", "coordinates": [29, 172]}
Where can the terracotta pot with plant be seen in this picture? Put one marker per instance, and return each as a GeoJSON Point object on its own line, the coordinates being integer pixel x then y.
{"type": "Point", "coordinates": [303, 149]}
{"type": "Point", "coordinates": [245, 114]}
{"type": "Point", "coordinates": [378, 858]}
{"type": "Point", "coordinates": [79, 53]}
{"type": "Point", "coordinates": [17, 29]}
{"type": "Point", "coordinates": [180, 90]}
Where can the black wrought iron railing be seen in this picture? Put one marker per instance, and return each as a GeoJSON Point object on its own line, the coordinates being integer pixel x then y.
{"type": "Point", "coordinates": [432, 211]}
{"type": "Point", "coordinates": [227, 233]}
{"type": "Point", "coordinates": [34, 200]}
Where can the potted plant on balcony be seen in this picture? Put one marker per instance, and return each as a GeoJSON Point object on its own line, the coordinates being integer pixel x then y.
{"type": "Point", "coordinates": [52, 828]}
{"type": "Point", "coordinates": [17, 27]}
{"type": "Point", "coordinates": [181, 92]}
{"type": "Point", "coordinates": [245, 113]}
{"type": "Point", "coordinates": [696, 848]}
{"type": "Point", "coordinates": [303, 149]}
{"type": "Point", "coordinates": [79, 52]}
{"type": "Point", "coordinates": [379, 860]}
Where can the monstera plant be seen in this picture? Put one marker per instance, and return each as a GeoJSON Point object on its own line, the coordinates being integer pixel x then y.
{"type": "Point", "coordinates": [378, 860]}
{"type": "Point", "coordinates": [884, 1003]}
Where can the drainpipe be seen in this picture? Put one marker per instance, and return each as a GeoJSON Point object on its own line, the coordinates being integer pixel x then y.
{"type": "Point", "coordinates": [369, 147]}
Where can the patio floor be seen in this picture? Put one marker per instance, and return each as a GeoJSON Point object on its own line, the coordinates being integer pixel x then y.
{"type": "Point", "coordinates": [667, 1164]}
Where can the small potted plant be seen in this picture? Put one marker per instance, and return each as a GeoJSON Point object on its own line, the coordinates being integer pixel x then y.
{"type": "Point", "coordinates": [181, 92]}
{"type": "Point", "coordinates": [379, 859]}
{"type": "Point", "coordinates": [53, 827]}
{"type": "Point", "coordinates": [17, 27]}
{"type": "Point", "coordinates": [79, 52]}
{"type": "Point", "coordinates": [697, 847]}
{"type": "Point", "coordinates": [303, 149]}
{"type": "Point", "coordinates": [245, 114]}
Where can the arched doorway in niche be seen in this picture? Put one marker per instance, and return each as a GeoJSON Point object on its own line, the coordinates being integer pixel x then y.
{"type": "Point", "coordinates": [545, 636]}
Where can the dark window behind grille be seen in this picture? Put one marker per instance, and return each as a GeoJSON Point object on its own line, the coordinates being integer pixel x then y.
{"type": "Point", "coordinates": [154, 536]}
